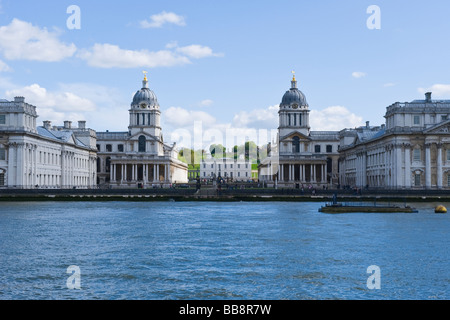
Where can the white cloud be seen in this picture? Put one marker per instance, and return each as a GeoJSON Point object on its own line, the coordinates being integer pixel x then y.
{"type": "Point", "coordinates": [334, 118]}
{"type": "Point", "coordinates": [258, 118]}
{"type": "Point", "coordinates": [179, 117]}
{"type": "Point", "coordinates": [440, 90]}
{"type": "Point", "coordinates": [358, 74]}
{"type": "Point", "coordinates": [197, 51]}
{"type": "Point", "coordinates": [112, 56]}
{"type": "Point", "coordinates": [57, 101]}
{"type": "Point", "coordinates": [390, 84]}
{"type": "Point", "coordinates": [21, 40]}
{"type": "Point", "coordinates": [4, 67]}
{"type": "Point", "coordinates": [206, 103]}
{"type": "Point", "coordinates": [160, 19]}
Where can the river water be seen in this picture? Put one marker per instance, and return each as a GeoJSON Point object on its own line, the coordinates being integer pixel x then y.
{"type": "Point", "coordinates": [211, 250]}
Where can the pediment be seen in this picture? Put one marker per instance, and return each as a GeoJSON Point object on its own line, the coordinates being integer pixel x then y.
{"type": "Point", "coordinates": [441, 128]}
{"type": "Point", "coordinates": [291, 136]}
{"type": "Point", "coordinates": [143, 133]}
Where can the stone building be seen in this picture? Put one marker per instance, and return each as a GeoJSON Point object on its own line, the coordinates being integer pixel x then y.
{"type": "Point", "coordinates": [411, 151]}
{"type": "Point", "coordinates": [45, 156]}
{"type": "Point", "coordinates": [139, 157]}
{"type": "Point", "coordinates": [300, 156]}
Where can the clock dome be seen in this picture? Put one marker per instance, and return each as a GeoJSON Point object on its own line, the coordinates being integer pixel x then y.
{"type": "Point", "coordinates": [294, 97]}
{"type": "Point", "coordinates": [145, 97]}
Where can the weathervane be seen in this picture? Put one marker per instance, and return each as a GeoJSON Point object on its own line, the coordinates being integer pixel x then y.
{"type": "Point", "coordinates": [145, 75]}
{"type": "Point", "coordinates": [293, 73]}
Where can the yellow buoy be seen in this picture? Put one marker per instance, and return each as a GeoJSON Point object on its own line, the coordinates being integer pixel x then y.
{"type": "Point", "coordinates": [440, 209]}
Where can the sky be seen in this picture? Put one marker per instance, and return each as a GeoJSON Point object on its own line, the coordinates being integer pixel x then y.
{"type": "Point", "coordinates": [222, 64]}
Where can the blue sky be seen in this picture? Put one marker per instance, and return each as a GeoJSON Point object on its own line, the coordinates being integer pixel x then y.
{"type": "Point", "coordinates": [226, 63]}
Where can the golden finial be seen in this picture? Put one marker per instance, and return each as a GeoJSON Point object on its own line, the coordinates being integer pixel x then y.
{"type": "Point", "coordinates": [293, 73]}
{"type": "Point", "coordinates": [145, 75]}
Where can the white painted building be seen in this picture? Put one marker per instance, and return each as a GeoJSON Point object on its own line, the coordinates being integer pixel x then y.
{"type": "Point", "coordinates": [34, 156]}
{"type": "Point", "coordinates": [139, 156]}
{"type": "Point", "coordinates": [411, 151]}
{"type": "Point", "coordinates": [227, 168]}
{"type": "Point", "coordinates": [300, 156]}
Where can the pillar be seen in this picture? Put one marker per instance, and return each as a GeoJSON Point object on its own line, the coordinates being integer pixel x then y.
{"type": "Point", "coordinates": [427, 166]}
{"type": "Point", "coordinates": [439, 166]}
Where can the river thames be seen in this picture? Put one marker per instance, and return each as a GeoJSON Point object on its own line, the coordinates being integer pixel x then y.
{"type": "Point", "coordinates": [214, 250]}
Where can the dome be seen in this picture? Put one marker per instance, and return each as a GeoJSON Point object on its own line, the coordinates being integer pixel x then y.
{"type": "Point", "coordinates": [294, 97]}
{"type": "Point", "coordinates": [145, 95]}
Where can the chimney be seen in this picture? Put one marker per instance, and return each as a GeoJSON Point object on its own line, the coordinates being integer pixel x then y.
{"type": "Point", "coordinates": [367, 124]}
{"type": "Point", "coordinates": [82, 125]}
{"type": "Point", "coordinates": [19, 99]}
{"type": "Point", "coordinates": [67, 124]}
{"type": "Point", "coordinates": [428, 97]}
{"type": "Point", "coordinates": [47, 125]}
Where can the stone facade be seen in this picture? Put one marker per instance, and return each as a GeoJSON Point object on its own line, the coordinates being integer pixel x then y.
{"type": "Point", "coordinates": [300, 157]}
{"type": "Point", "coordinates": [43, 157]}
{"type": "Point", "coordinates": [139, 157]}
{"type": "Point", "coordinates": [411, 151]}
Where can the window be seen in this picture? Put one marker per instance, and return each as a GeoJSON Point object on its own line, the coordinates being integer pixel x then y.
{"type": "Point", "coordinates": [108, 148]}
{"type": "Point", "coordinates": [120, 147]}
{"type": "Point", "coordinates": [289, 119]}
{"type": "Point", "coordinates": [329, 148]}
{"type": "Point", "coordinates": [98, 147]}
{"type": "Point", "coordinates": [142, 144]}
{"type": "Point", "coordinates": [212, 166]}
{"type": "Point", "coordinates": [239, 166]}
{"type": "Point", "coordinates": [296, 145]}
{"type": "Point", "coordinates": [416, 120]}
{"type": "Point", "coordinates": [204, 166]}
{"type": "Point", "coordinates": [448, 155]}
{"type": "Point", "coordinates": [204, 174]}
{"type": "Point", "coordinates": [2, 119]}
{"type": "Point", "coordinates": [2, 178]}
{"type": "Point", "coordinates": [417, 180]}
{"type": "Point", "coordinates": [108, 165]}
{"type": "Point", "coordinates": [444, 118]}
{"type": "Point", "coordinates": [2, 154]}
{"type": "Point", "coordinates": [417, 155]}
{"type": "Point", "coordinates": [317, 148]}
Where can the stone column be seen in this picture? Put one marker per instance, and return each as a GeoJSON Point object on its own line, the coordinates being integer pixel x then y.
{"type": "Point", "coordinates": [439, 166]}
{"type": "Point", "coordinates": [428, 165]}
{"type": "Point", "coordinates": [408, 166]}
{"type": "Point", "coordinates": [399, 172]}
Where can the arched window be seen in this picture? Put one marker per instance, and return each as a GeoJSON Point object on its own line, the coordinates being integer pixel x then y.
{"type": "Point", "coordinates": [296, 145]}
{"type": "Point", "coordinates": [99, 163]}
{"type": "Point", "coordinates": [142, 144]}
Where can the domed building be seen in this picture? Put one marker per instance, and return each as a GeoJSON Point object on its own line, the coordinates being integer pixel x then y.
{"type": "Point", "coordinates": [139, 157]}
{"type": "Point", "coordinates": [300, 157]}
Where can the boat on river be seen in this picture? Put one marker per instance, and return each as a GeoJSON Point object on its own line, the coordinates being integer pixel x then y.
{"type": "Point", "coordinates": [347, 208]}
{"type": "Point", "coordinates": [336, 207]}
